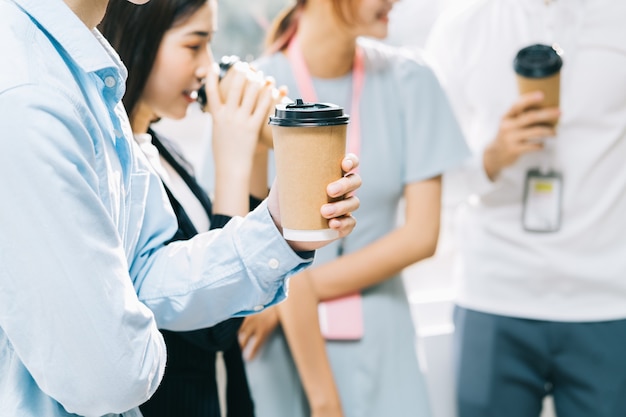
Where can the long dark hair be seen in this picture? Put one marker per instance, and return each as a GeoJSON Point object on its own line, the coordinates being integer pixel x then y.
{"type": "Point", "coordinates": [285, 25]}
{"type": "Point", "coordinates": [136, 31]}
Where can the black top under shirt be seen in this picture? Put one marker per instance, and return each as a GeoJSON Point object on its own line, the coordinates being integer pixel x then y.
{"type": "Point", "coordinates": [189, 386]}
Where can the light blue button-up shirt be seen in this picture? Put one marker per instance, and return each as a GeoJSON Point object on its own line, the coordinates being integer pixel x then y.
{"type": "Point", "coordinates": [85, 277]}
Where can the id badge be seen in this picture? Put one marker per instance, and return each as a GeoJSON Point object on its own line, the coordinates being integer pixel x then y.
{"type": "Point", "coordinates": [342, 318]}
{"type": "Point", "coordinates": [542, 201]}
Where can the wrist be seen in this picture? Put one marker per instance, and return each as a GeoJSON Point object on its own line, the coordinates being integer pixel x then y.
{"type": "Point", "coordinates": [490, 162]}
{"type": "Point", "coordinates": [232, 175]}
{"type": "Point", "coordinates": [325, 405]}
{"type": "Point", "coordinates": [231, 195]}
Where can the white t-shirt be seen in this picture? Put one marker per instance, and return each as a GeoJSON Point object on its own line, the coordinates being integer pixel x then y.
{"type": "Point", "coordinates": [579, 272]}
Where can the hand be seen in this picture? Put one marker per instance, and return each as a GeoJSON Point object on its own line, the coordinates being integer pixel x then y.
{"type": "Point", "coordinates": [238, 105]}
{"type": "Point", "coordinates": [522, 129]}
{"type": "Point", "coordinates": [279, 96]}
{"type": "Point", "coordinates": [237, 116]}
{"type": "Point", "coordinates": [338, 213]}
{"type": "Point", "coordinates": [255, 330]}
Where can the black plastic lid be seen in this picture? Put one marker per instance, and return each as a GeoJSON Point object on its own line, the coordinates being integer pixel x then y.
{"type": "Point", "coordinates": [301, 114]}
{"type": "Point", "coordinates": [537, 61]}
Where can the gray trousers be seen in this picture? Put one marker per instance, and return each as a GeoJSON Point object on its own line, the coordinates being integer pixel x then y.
{"type": "Point", "coordinates": [505, 366]}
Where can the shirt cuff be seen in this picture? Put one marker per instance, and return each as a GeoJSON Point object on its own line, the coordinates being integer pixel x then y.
{"type": "Point", "coordinates": [269, 260]}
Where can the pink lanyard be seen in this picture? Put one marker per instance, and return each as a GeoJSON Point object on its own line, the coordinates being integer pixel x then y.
{"type": "Point", "coordinates": [305, 86]}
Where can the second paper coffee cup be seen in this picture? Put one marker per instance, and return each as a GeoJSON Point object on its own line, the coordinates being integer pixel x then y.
{"type": "Point", "coordinates": [538, 68]}
{"type": "Point", "coordinates": [309, 145]}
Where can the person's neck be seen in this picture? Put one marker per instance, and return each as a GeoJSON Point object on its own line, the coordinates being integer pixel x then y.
{"type": "Point", "coordinates": [328, 50]}
{"type": "Point", "coordinates": [90, 12]}
{"type": "Point", "coordinates": [141, 119]}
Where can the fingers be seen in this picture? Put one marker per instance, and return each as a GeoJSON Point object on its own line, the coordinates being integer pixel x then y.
{"type": "Point", "coordinates": [254, 84]}
{"type": "Point", "coordinates": [527, 111]}
{"type": "Point", "coordinates": [344, 225]}
{"type": "Point", "coordinates": [340, 208]}
{"type": "Point", "coordinates": [350, 162]}
{"type": "Point", "coordinates": [255, 330]}
{"type": "Point", "coordinates": [214, 100]}
{"type": "Point", "coordinates": [265, 100]}
{"type": "Point", "coordinates": [343, 186]}
{"type": "Point", "coordinates": [534, 133]}
{"type": "Point", "coordinates": [339, 212]}
{"type": "Point", "coordinates": [250, 349]}
{"type": "Point", "coordinates": [523, 129]}
{"type": "Point", "coordinates": [284, 90]}
{"type": "Point", "coordinates": [530, 146]}
{"type": "Point", "coordinates": [247, 341]}
{"type": "Point", "coordinates": [547, 118]}
{"type": "Point", "coordinates": [524, 103]}
{"type": "Point", "coordinates": [237, 84]}
{"type": "Point", "coordinates": [244, 331]}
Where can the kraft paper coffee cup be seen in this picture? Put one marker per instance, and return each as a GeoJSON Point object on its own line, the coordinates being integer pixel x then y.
{"type": "Point", "coordinates": [227, 66]}
{"type": "Point", "coordinates": [538, 68]}
{"type": "Point", "coordinates": [309, 145]}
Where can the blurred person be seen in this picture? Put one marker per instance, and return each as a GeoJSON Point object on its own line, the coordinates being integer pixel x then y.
{"type": "Point", "coordinates": [539, 312]}
{"type": "Point", "coordinates": [404, 132]}
{"type": "Point", "coordinates": [166, 48]}
{"type": "Point", "coordinates": [87, 270]}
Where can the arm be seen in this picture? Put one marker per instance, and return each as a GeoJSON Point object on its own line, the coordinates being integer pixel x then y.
{"type": "Point", "coordinates": [222, 336]}
{"type": "Point", "coordinates": [415, 240]}
{"type": "Point", "coordinates": [63, 264]}
{"type": "Point", "coordinates": [243, 267]}
{"type": "Point", "coordinates": [299, 319]}
{"type": "Point", "coordinates": [300, 322]}
{"type": "Point", "coordinates": [239, 160]}
{"type": "Point", "coordinates": [495, 147]}
{"type": "Point", "coordinates": [258, 179]}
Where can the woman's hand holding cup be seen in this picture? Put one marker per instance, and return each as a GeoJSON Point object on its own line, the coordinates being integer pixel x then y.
{"type": "Point", "coordinates": [338, 212]}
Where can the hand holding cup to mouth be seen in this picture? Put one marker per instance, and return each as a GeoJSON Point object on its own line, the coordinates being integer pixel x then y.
{"type": "Point", "coordinates": [232, 71]}
{"type": "Point", "coordinates": [239, 159]}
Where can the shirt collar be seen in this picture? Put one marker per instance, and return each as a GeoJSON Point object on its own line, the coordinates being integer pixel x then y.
{"type": "Point", "coordinates": [85, 46]}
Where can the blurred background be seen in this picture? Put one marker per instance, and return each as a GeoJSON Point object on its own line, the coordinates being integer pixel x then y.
{"type": "Point", "coordinates": [243, 23]}
{"type": "Point", "coordinates": [430, 286]}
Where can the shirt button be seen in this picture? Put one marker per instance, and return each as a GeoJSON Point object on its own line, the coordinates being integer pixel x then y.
{"type": "Point", "coordinates": [118, 133]}
{"type": "Point", "coordinates": [273, 263]}
{"type": "Point", "coordinates": [257, 308]}
{"type": "Point", "coordinates": [110, 81]}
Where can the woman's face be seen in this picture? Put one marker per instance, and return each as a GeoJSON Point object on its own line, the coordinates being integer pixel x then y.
{"type": "Point", "coordinates": [371, 18]}
{"type": "Point", "coordinates": [182, 61]}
